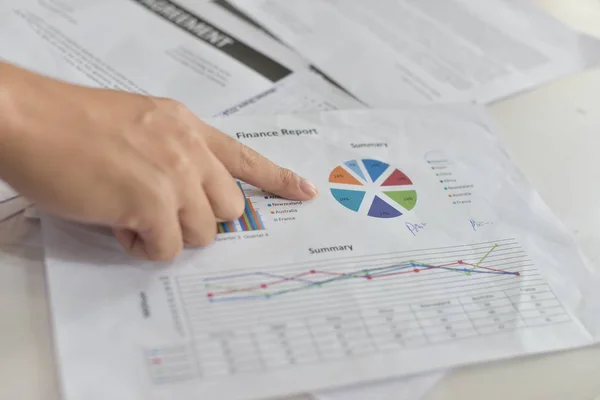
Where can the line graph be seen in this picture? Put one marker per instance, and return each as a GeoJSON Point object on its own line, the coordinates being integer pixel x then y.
{"type": "Point", "coordinates": [280, 316]}
{"type": "Point", "coordinates": [265, 285]}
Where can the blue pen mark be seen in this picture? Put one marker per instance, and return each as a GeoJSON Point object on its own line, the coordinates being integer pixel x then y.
{"type": "Point", "coordinates": [415, 228]}
{"type": "Point", "coordinates": [478, 224]}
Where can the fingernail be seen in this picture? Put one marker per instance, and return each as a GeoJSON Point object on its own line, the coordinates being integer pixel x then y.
{"type": "Point", "coordinates": [308, 188]}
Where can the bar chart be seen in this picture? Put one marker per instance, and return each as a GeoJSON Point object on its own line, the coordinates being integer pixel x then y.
{"type": "Point", "coordinates": [250, 220]}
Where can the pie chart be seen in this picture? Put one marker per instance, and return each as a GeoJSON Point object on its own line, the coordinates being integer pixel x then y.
{"type": "Point", "coordinates": [372, 187]}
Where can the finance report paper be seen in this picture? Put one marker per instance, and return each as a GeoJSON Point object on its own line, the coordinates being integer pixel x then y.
{"type": "Point", "coordinates": [387, 52]}
{"type": "Point", "coordinates": [159, 48]}
{"type": "Point", "coordinates": [309, 92]}
{"type": "Point", "coordinates": [426, 250]}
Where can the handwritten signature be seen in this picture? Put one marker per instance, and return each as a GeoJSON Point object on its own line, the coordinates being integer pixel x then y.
{"type": "Point", "coordinates": [415, 228]}
{"type": "Point", "coordinates": [478, 224]}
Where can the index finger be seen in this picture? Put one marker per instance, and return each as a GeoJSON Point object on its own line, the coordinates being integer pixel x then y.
{"type": "Point", "coordinates": [246, 164]}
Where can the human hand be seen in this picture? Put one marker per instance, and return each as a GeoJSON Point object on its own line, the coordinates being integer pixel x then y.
{"type": "Point", "coordinates": [144, 166]}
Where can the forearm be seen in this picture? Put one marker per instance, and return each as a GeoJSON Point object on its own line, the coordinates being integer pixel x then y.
{"type": "Point", "coordinates": [20, 106]}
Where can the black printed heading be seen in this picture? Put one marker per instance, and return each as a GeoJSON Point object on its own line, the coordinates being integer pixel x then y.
{"type": "Point", "coordinates": [279, 133]}
{"type": "Point", "coordinates": [196, 26]}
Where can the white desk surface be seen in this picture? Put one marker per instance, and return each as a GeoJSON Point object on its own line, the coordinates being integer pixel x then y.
{"type": "Point", "coordinates": [552, 133]}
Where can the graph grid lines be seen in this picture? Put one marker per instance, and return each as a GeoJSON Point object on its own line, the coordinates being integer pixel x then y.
{"type": "Point", "coordinates": [218, 291]}
{"type": "Point", "coordinates": [380, 304]}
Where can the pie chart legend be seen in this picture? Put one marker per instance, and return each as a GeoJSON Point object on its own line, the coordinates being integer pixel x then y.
{"type": "Point", "coordinates": [372, 187]}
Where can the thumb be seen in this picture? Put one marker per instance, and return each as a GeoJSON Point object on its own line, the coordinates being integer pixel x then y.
{"type": "Point", "coordinates": [246, 164]}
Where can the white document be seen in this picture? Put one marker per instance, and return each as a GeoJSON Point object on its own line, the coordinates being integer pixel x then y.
{"type": "Point", "coordinates": [10, 201]}
{"type": "Point", "coordinates": [157, 47]}
{"type": "Point", "coordinates": [6, 192]}
{"type": "Point", "coordinates": [426, 250]}
{"type": "Point", "coordinates": [413, 388]}
{"type": "Point", "coordinates": [21, 46]}
{"type": "Point", "coordinates": [387, 52]}
{"type": "Point", "coordinates": [299, 93]}
{"type": "Point", "coordinates": [12, 206]}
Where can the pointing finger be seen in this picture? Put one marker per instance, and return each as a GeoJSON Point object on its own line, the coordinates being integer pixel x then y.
{"type": "Point", "coordinates": [246, 164]}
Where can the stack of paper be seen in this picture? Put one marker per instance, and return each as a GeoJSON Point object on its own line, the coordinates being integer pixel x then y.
{"type": "Point", "coordinates": [10, 202]}
{"type": "Point", "coordinates": [411, 260]}
{"type": "Point", "coordinates": [426, 250]}
{"type": "Point", "coordinates": [392, 51]}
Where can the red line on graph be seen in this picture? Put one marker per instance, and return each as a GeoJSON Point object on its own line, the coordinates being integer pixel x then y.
{"type": "Point", "coordinates": [364, 275]}
{"type": "Point", "coordinates": [287, 279]}
{"type": "Point", "coordinates": [449, 264]}
{"type": "Point", "coordinates": [264, 285]}
{"type": "Point", "coordinates": [482, 267]}
{"type": "Point", "coordinates": [412, 271]}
